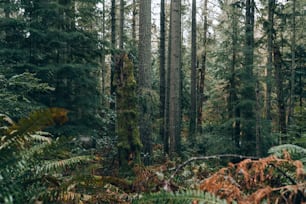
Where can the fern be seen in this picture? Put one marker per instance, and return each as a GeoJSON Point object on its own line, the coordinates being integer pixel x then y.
{"type": "Point", "coordinates": [59, 165]}
{"type": "Point", "coordinates": [24, 149]}
{"type": "Point", "coordinates": [180, 197]}
{"type": "Point", "coordinates": [299, 153]}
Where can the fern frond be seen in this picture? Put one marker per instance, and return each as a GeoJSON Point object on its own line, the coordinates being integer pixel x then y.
{"type": "Point", "coordinates": [292, 149]}
{"type": "Point", "coordinates": [41, 136]}
{"type": "Point", "coordinates": [18, 134]}
{"type": "Point", "coordinates": [7, 119]}
{"type": "Point", "coordinates": [62, 164]}
{"type": "Point", "coordinates": [38, 148]}
{"type": "Point", "coordinates": [184, 197]}
{"type": "Point", "coordinates": [36, 121]}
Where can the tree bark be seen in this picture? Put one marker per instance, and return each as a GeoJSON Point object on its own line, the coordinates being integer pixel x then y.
{"type": "Point", "coordinates": [162, 73]}
{"type": "Point", "coordinates": [233, 109]}
{"type": "Point", "coordinates": [113, 62]}
{"type": "Point", "coordinates": [129, 142]}
{"type": "Point", "coordinates": [175, 74]}
{"type": "Point", "coordinates": [200, 94]}
{"type": "Point", "coordinates": [293, 65]}
{"type": "Point", "coordinates": [280, 94]}
{"type": "Point", "coordinates": [134, 13]}
{"type": "Point", "coordinates": [121, 24]}
{"type": "Point", "coordinates": [193, 77]}
{"type": "Point", "coordinates": [113, 42]}
{"type": "Point", "coordinates": [145, 80]}
{"type": "Point", "coordinates": [248, 98]}
{"type": "Point", "coordinates": [271, 7]}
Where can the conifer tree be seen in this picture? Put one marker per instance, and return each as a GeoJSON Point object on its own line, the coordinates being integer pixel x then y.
{"type": "Point", "coordinates": [60, 45]}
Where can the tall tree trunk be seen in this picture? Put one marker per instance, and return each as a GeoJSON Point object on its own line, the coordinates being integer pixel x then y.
{"type": "Point", "coordinates": [134, 15]}
{"type": "Point", "coordinates": [200, 93]}
{"type": "Point", "coordinates": [193, 77]}
{"type": "Point", "coordinates": [248, 98]}
{"type": "Point", "coordinates": [271, 7]}
{"type": "Point", "coordinates": [233, 109]}
{"type": "Point", "coordinates": [174, 75]}
{"type": "Point", "coordinates": [293, 66]}
{"type": "Point", "coordinates": [113, 42]}
{"type": "Point", "coordinates": [162, 74]}
{"type": "Point", "coordinates": [258, 121]}
{"type": "Point", "coordinates": [145, 74]}
{"type": "Point", "coordinates": [103, 64]}
{"type": "Point", "coordinates": [167, 95]}
{"type": "Point", "coordinates": [280, 94]}
{"type": "Point", "coordinates": [121, 24]}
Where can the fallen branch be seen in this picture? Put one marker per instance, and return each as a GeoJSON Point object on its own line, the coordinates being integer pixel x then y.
{"type": "Point", "coordinates": [211, 157]}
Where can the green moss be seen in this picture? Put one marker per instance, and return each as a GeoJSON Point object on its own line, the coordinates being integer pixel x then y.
{"type": "Point", "coordinates": [129, 142]}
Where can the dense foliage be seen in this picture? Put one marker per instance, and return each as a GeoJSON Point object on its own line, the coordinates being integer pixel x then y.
{"type": "Point", "coordinates": [137, 125]}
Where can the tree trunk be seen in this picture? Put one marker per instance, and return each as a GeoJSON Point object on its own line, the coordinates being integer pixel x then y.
{"type": "Point", "coordinates": [293, 66]}
{"type": "Point", "coordinates": [258, 121]}
{"type": "Point", "coordinates": [145, 74]}
{"type": "Point", "coordinates": [280, 94]}
{"type": "Point", "coordinates": [113, 56]}
{"type": "Point", "coordinates": [271, 7]}
{"type": "Point", "coordinates": [121, 24]}
{"type": "Point", "coordinates": [200, 94]}
{"type": "Point", "coordinates": [103, 63]}
{"type": "Point", "coordinates": [248, 98]}
{"type": "Point", "coordinates": [174, 74]}
{"type": "Point", "coordinates": [113, 42]}
{"type": "Point", "coordinates": [129, 143]}
{"type": "Point", "coordinates": [233, 109]}
{"type": "Point", "coordinates": [134, 13]}
{"type": "Point", "coordinates": [193, 77]}
{"type": "Point", "coordinates": [162, 73]}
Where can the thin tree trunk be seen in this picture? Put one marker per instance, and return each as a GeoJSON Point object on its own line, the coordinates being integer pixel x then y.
{"type": "Point", "coordinates": [162, 73]}
{"type": "Point", "coordinates": [258, 121]}
{"type": "Point", "coordinates": [271, 6]}
{"type": "Point", "coordinates": [234, 110]}
{"type": "Point", "coordinates": [103, 64]}
{"type": "Point", "coordinates": [134, 13]}
{"type": "Point", "coordinates": [280, 94]}
{"type": "Point", "coordinates": [113, 42]}
{"type": "Point", "coordinates": [193, 77]}
{"type": "Point", "coordinates": [121, 24]}
{"type": "Point", "coordinates": [200, 94]}
{"type": "Point", "coordinates": [293, 66]}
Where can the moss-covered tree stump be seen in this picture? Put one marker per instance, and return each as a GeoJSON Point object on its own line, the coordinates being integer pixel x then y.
{"type": "Point", "coordinates": [129, 143]}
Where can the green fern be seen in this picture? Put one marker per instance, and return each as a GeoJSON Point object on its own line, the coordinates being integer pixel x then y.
{"type": "Point", "coordinates": [25, 150]}
{"type": "Point", "coordinates": [59, 165]}
{"type": "Point", "coordinates": [297, 152]}
{"type": "Point", "coordinates": [180, 197]}
{"type": "Point", "coordinates": [293, 150]}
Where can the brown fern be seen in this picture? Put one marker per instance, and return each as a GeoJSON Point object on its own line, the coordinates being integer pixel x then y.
{"type": "Point", "coordinates": [252, 181]}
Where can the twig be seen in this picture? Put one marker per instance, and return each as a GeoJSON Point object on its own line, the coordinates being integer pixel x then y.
{"type": "Point", "coordinates": [211, 157]}
{"type": "Point", "coordinates": [284, 174]}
